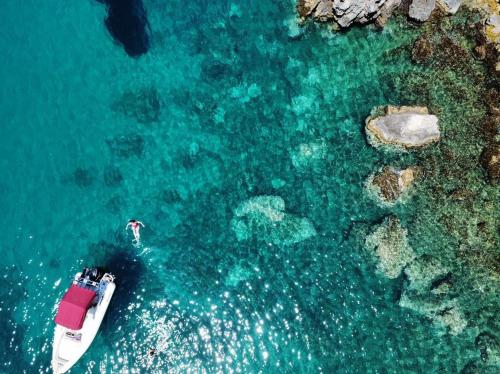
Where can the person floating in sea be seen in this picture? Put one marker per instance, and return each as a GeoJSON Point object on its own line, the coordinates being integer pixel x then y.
{"type": "Point", "coordinates": [135, 226]}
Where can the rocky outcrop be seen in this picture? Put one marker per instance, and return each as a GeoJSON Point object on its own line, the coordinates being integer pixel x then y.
{"type": "Point", "coordinates": [346, 12]}
{"type": "Point", "coordinates": [449, 6]}
{"type": "Point", "coordinates": [426, 274]}
{"type": "Point", "coordinates": [388, 243]}
{"type": "Point", "coordinates": [265, 218]}
{"type": "Point", "coordinates": [428, 291]}
{"type": "Point", "coordinates": [403, 127]}
{"type": "Point", "coordinates": [445, 315]}
{"type": "Point", "coordinates": [390, 183]}
{"type": "Point", "coordinates": [420, 10]}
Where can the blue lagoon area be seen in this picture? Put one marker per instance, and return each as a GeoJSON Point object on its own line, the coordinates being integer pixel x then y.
{"type": "Point", "coordinates": [237, 137]}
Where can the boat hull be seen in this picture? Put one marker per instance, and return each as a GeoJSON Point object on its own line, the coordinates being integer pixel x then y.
{"type": "Point", "coordinates": [70, 345]}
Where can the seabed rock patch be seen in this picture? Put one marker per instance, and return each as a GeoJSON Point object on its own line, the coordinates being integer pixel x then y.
{"type": "Point", "coordinates": [389, 245]}
{"type": "Point", "coordinates": [126, 145]}
{"type": "Point", "coordinates": [143, 105]}
{"type": "Point", "coordinates": [306, 154]}
{"type": "Point", "coordinates": [265, 218]}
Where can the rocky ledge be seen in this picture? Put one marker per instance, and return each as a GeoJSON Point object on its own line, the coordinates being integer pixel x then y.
{"type": "Point", "coordinates": [403, 127]}
{"type": "Point", "coordinates": [347, 12]}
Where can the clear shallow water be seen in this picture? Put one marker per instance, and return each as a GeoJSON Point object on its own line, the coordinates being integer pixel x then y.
{"type": "Point", "coordinates": [237, 97]}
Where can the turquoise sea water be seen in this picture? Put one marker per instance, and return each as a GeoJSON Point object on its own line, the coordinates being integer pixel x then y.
{"type": "Point", "coordinates": [227, 104]}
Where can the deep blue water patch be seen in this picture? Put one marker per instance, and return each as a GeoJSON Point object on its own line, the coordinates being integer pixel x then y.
{"type": "Point", "coordinates": [128, 24]}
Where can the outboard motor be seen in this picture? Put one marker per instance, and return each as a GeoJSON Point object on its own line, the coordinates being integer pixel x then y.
{"type": "Point", "coordinates": [93, 274]}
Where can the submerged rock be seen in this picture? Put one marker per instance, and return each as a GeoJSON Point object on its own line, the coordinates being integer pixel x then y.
{"type": "Point", "coordinates": [112, 176]}
{"type": "Point", "coordinates": [126, 145]}
{"type": "Point", "coordinates": [390, 183]}
{"type": "Point", "coordinates": [390, 246]}
{"type": "Point", "coordinates": [427, 292]}
{"type": "Point", "coordinates": [307, 153]}
{"type": "Point", "coordinates": [264, 217]}
{"type": "Point", "coordinates": [452, 319]}
{"type": "Point", "coordinates": [346, 12]}
{"type": "Point", "coordinates": [407, 127]}
{"type": "Point", "coordinates": [425, 274]}
{"type": "Point", "coordinates": [420, 10]}
{"type": "Point", "coordinates": [489, 348]}
{"type": "Point", "coordinates": [236, 275]}
{"type": "Point", "coordinates": [83, 177]}
{"type": "Point", "coordinates": [143, 105]}
{"type": "Point", "coordinates": [446, 315]}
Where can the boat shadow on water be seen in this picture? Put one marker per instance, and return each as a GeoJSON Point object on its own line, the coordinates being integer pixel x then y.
{"type": "Point", "coordinates": [121, 261]}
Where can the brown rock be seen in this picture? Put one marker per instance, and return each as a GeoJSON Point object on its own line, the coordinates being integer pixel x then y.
{"type": "Point", "coordinates": [490, 160]}
{"type": "Point", "coordinates": [306, 7]}
{"type": "Point", "coordinates": [387, 182]}
{"type": "Point", "coordinates": [391, 182]}
{"type": "Point", "coordinates": [480, 52]}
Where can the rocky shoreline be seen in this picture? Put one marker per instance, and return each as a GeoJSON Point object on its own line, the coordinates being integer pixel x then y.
{"type": "Point", "coordinates": [456, 171]}
{"type": "Point", "coordinates": [346, 13]}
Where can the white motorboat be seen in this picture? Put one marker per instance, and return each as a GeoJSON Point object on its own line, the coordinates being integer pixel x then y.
{"type": "Point", "coordinates": [79, 316]}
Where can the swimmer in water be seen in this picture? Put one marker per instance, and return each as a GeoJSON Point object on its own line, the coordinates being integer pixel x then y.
{"type": "Point", "coordinates": [135, 226]}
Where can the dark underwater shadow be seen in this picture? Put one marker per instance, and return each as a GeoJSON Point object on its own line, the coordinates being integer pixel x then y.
{"type": "Point", "coordinates": [127, 23]}
{"type": "Point", "coordinates": [120, 260]}
{"type": "Point", "coordinates": [128, 270]}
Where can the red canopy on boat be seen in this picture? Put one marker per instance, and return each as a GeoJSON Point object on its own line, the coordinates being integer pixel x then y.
{"type": "Point", "coordinates": [73, 307]}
